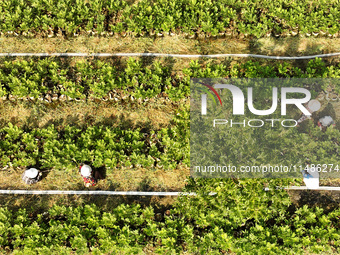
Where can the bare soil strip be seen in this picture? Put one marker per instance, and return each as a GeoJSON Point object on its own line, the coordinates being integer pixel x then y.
{"type": "Point", "coordinates": [292, 46]}
{"type": "Point", "coordinates": [134, 179]}
{"type": "Point", "coordinates": [154, 114]}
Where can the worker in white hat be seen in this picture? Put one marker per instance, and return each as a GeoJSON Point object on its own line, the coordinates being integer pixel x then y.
{"type": "Point", "coordinates": [31, 176]}
{"type": "Point", "coordinates": [311, 177]}
{"type": "Point", "coordinates": [86, 172]}
{"type": "Point", "coordinates": [325, 122]}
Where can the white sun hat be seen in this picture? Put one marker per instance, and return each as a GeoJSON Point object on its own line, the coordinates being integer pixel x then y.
{"type": "Point", "coordinates": [326, 121]}
{"type": "Point", "coordinates": [32, 173]}
{"type": "Point", "coordinates": [86, 170]}
{"type": "Point", "coordinates": [311, 179]}
{"type": "Point", "coordinates": [314, 105]}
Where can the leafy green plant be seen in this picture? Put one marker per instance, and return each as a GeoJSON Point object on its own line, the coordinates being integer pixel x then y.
{"type": "Point", "coordinates": [255, 18]}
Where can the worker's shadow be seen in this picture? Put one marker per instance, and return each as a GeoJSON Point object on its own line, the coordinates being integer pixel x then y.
{"type": "Point", "coordinates": [328, 200]}
{"type": "Point", "coordinates": [99, 173]}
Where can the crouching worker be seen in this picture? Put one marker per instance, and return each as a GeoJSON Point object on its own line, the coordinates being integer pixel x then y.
{"type": "Point", "coordinates": [86, 172]}
{"type": "Point", "coordinates": [31, 176]}
{"type": "Point", "coordinates": [325, 122]}
{"type": "Point", "coordinates": [311, 177]}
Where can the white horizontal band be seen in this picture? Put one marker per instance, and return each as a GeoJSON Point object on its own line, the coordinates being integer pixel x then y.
{"type": "Point", "coordinates": [319, 188]}
{"type": "Point", "coordinates": [305, 188]}
{"type": "Point", "coordinates": [134, 193]}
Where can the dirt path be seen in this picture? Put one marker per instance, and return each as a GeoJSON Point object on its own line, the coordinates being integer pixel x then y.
{"type": "Point", "coordinates": [177, 45]}
{"type": "Point", "coordinates": [156, 115]}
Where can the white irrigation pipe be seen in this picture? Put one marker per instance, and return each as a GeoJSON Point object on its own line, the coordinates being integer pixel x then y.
{"type": "Point", "coordinates": [305, 188]}
{"type": "Point", "coordinates": [96, 192]}
{"type": "Point", "coordinates": [162, 55]}
{"type": "Point", "coordinates": [319, 188]}
{"type": "Point", "coordinates": [135, 193]}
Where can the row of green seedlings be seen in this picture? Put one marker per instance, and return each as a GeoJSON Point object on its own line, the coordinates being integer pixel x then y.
{"type": "Point", "coordinates": [189, 17]}
{"type": "Point", "coordinates": [103, 146]}
{"type": "Point", "coordinates": [240, 218]}
{"type": "Point", "coordinates": [50, 80]}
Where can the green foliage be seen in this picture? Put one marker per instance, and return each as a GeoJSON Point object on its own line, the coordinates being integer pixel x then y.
{"type": "Point", "coordinates": [241, 218]}
{"type": "Point", "coordinates": [102, 146]}
{"type": "Point", "coordinates": [103, 17]}
{"type": "Point", "coordinates": [96, 78]}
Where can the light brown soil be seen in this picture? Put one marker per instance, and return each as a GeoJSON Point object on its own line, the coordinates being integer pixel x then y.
{"type": "Point", "coordinates": [176, 45]}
